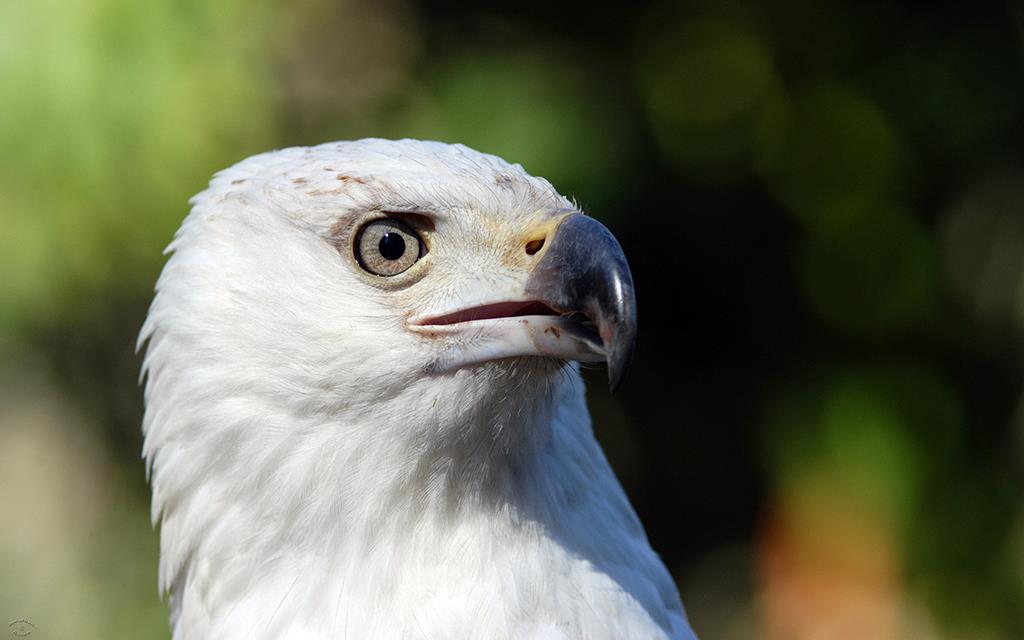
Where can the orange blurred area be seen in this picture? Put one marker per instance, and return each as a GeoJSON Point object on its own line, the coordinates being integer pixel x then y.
{"type": "Point", "coordinates": [829, 568]}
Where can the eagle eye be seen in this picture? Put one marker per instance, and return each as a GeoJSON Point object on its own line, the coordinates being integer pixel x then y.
{"type": "Point", "coordinates": [387, 247]}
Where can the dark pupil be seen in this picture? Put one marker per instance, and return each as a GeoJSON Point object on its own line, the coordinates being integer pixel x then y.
{"type": "Point", "coordinates": [392, 246]}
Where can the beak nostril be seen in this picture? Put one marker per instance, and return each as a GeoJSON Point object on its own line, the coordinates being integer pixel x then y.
{"type": "Point", "coordinates": [533, 246]}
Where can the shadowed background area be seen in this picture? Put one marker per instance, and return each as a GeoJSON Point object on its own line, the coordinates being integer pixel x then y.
{"type": "Point", "coordinates": [823, 207]}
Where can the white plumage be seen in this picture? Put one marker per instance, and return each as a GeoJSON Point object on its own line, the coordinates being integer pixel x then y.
{"type": "Point", "coordinates": [326, 464]}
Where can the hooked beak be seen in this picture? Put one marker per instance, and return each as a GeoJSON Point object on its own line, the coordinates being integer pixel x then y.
{"type": "Point", "coordinates": [578, 303]}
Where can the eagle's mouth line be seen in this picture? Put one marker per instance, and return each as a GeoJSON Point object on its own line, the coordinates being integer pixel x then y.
{"type": "Point", "coordinates": [576, 323]}
{"type": "Point", "coordinates": [491, 311]}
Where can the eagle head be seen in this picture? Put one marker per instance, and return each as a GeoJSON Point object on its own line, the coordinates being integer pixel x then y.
{"type": "Point", "coordinates": [361, 350]}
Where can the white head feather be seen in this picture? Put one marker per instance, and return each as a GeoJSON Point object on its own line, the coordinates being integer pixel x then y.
{"type": "Point", "coordinates": [315, 475]}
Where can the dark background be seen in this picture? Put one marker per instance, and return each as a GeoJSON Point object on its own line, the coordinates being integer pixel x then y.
{"type": "Point", "coordinates": [823, 207]}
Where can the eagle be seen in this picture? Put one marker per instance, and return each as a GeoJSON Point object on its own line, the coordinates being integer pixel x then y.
{"type": "Point", "coordinates": [364, 416]}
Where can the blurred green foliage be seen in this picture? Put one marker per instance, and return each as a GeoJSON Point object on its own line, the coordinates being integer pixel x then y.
{"type": "Point", "coordinates": [821, 431]}
{"type": "Point", "coordinates": [112, 110]}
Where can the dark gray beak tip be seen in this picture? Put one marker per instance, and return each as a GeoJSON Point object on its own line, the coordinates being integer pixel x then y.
{"type": "Point", "coordinates": [617, 326]}
{"type": "Point", "coordinates": [585, 270]}
{"type": "Point", "coordinates": [620, 354]}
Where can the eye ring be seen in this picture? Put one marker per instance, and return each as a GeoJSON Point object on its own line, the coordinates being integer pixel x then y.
{"type": "Point", "coordinates": [387, 247]}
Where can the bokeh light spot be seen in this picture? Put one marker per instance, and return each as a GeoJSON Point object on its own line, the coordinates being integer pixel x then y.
{"type": "Point", "coordinates": [982, 236]}
{"type": "Point", "coordinates": [704, 83]}
{"type": "Point", "coordinates": [535, 106]}
{"type": "Point", "coordinates": [872, 278]}
{"type": "Point", "coordinates": [837, 159]}
{"type": "Point", "coordinates": [705, 72]}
